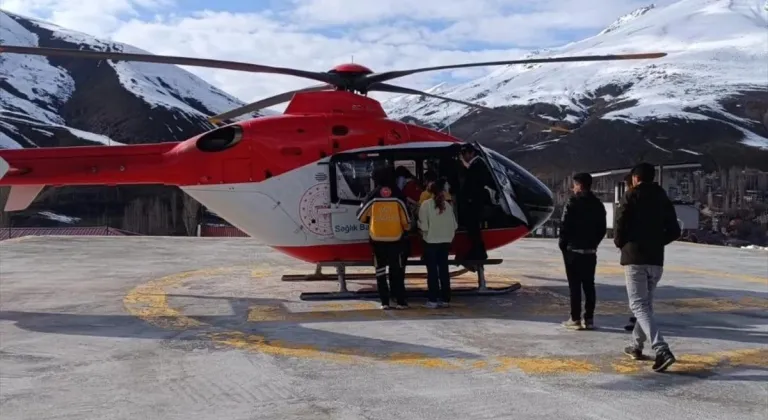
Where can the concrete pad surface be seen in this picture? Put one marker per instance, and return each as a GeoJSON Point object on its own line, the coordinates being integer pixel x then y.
{"type": "Point", "coordinates": [178, 328]}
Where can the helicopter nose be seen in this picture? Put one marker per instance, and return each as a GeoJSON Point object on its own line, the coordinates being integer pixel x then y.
{"type": "Point", "coordinates": [538, 207]}
{"type": "Point", "coordinates": [533, 197]}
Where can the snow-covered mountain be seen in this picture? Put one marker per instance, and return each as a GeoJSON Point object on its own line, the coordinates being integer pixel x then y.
{"type": "Point", "coordinates": [55, 101]}
{"type": "Point", "coordinates": [72, 102]}
{"type": "Point", "coordinates": [707, 98]}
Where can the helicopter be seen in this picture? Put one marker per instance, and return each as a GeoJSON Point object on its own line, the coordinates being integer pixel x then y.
{"type": "Point", "coordinates": [294, 180]}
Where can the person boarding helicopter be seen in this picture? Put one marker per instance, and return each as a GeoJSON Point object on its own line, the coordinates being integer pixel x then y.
{"type": "Point", "coordinates": [386, 213]}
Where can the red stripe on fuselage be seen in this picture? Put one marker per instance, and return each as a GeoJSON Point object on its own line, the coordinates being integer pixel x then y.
{"type": "Point", "coordinates": [361, 251]}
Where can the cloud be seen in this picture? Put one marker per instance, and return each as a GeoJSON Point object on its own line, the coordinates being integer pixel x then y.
{"type": "Point", "coordinates": [318, 34]}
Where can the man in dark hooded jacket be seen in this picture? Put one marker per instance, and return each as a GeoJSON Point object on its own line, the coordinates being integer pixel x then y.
{"type": "Point", "coordinates": [582, 229]}
{"type": "Point", "coordinates": [647, 222]}
{"type": "Point", "coordinates": [628, 182]}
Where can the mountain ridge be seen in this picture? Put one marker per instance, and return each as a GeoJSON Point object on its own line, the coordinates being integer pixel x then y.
{"type": "Point", "coordinates": [627, 18]}
{"type": "Point", "coordinates": [706, 101]}
{"type": "Point", "coordinates": [178, 101]}
{"type": "Point", "coordinates": [55, 102]}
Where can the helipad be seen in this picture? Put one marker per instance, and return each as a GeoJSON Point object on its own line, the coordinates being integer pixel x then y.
{"type": "Point", "coordinates": [181, 327]}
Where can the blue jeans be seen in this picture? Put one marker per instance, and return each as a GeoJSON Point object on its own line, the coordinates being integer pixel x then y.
{"type": "Point", "coordinates": [641, 285]}
{"type": "Point", "coordinates": [438, 276]}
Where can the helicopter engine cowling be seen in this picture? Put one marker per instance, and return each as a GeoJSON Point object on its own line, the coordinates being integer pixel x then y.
{"type": "Point", "coordinates": [220, 139]}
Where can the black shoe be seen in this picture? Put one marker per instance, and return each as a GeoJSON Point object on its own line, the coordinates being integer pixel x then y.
{"type": "Point", "coordinates": [664, 359]}
{"type": "Point", "coordinates": [589, 324]}
{"type": "Point", "coordinates": [631, 325]}
{"type": "Point", "coordinates": [634, 353]}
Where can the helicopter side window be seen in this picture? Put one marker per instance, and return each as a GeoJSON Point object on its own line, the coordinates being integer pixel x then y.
{"type": "Point", "coordinates": [354, 179]}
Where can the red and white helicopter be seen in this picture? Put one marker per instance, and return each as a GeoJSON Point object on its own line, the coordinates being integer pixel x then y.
{"type": "Point", "coordinates": [294, 181]}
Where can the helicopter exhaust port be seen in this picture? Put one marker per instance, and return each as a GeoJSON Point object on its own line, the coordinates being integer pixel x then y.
{"type": "Point", "coordinates": [220, 139]}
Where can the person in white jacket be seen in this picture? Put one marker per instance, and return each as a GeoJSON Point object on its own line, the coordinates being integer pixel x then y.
{"type": "Point", "coordinates": [437, 223]}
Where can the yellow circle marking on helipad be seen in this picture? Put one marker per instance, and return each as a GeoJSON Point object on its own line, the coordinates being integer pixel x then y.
{"type": "Point", "coordinates": [149, 302]}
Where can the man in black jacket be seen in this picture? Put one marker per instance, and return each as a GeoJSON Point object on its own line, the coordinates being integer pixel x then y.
{"type": "Point", "coordinates": [582, 229]}
{"type": "Point", "coordinates": [629, 184]}
{"type": "Point", "coordinates": [646, 223]}
{"type": "Point", "coordinates": [475, 197]}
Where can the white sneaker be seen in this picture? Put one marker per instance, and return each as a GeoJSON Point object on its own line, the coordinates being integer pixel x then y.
{"type": "Point", "coordinates": [386, 307]}
{"type": "Point", "coordinates": [431, 305]}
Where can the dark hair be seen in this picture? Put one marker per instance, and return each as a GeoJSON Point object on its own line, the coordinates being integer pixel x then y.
{"type": "Point", "coordinates": [430, 176]}
{"type": "Point", "coordinates": [384, 177]}
{"type": "Point", "coordinates": [436, 189]}
{"type": "Point", "coordinates": [584, 179]}
{"type": "Point", "coordinates": [645, 172]}
{"type": "Point", "coordinates": [466, 147]}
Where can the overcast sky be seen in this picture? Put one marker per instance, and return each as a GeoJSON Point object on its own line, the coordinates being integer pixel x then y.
{"type": "Point", "coordinates": [318, 34]}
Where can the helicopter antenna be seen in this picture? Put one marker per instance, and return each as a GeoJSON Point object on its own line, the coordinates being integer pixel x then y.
{"type": "Point", "coordinates": [353, 59]}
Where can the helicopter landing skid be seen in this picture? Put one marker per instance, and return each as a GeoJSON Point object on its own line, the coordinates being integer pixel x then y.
{"type": "Point", "coordinates": [318, 275]}
{"type": "Point", "coordinates": [344, 293]}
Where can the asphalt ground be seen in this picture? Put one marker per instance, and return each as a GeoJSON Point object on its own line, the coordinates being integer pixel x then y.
{"type": "Point", "coordinates": [203, 328]}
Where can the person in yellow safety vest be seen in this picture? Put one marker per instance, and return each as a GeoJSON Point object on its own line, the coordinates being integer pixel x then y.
{"type": "Point", "coordinates": [386, 213]}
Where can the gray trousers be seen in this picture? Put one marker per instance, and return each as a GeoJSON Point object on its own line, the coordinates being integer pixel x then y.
{"type": "Point", "coordinates": [641, 285]}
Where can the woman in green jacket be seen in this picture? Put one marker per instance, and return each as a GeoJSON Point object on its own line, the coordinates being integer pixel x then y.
{"type": "Point", "coordinates": [437, 223]}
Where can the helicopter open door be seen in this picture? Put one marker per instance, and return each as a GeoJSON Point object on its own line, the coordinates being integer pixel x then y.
{"type": "Point", "coordinates": [506, 193]}
{"type": "Point", "coordinates": [351, 176]}
{"type": "Point", "coordinates": [351, 180]}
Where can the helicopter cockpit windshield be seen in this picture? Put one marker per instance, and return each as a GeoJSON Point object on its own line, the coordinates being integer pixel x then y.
{"type": "Point", "coordinates": [527, 194]}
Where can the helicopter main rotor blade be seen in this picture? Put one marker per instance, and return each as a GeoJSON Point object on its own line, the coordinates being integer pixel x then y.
{"type": "Point", "coordinates": [266, 103]}
{"type": "Point", "coordinates": [389, 75]}
{"type": "Point", "coordinates": [384, 87]}
{"type": "Point", "coordinates": [166, 59]}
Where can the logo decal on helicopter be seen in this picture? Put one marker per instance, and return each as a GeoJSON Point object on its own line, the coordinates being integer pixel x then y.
{"type": "Point", "coordinates": [311, 206]}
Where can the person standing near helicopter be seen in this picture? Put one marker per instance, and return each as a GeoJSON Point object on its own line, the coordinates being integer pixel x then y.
{"type": "Point", "coordinates": [437, 224]}
{"type": "Point", "coordinates": [474, 197]}
{"type": "Point", "coordinates": [629, 184]}
{"type": "Point", "coordinates": [386, 214]}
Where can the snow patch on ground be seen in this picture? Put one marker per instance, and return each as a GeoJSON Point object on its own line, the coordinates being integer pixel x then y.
{"type": "Point", "coordinates": [757, 247]}
{"type": "Point", "coordinates": [58, 217]}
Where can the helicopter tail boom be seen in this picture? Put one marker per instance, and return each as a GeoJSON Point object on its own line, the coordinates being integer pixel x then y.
{"type": "Point", "coordinates": [28, 171]}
